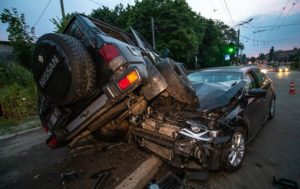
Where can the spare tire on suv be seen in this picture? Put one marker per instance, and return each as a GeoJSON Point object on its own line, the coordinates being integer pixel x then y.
{"type": "Point", "coordinates": [63, 69]}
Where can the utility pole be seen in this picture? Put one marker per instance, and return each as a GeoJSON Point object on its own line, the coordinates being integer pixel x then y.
{"type": "Point", "coordinates": [238, 42]}
{"type": "Point", "coordinates": [153, 34]}
{"type": "Point", "coordinates": [238, 34]}
{"type": "Point", "coordinates": [62, 9]}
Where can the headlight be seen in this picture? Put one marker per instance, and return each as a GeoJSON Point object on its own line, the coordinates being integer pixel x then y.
{"type": "Point", "coordinates": [264, 71]}
{"type": "Point", "coordinates": [286, 69]}
{"type": "Point", "coordinates": [280, 70]}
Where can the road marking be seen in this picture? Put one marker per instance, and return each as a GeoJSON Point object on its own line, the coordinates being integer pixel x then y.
{"type": "Point", "coordinates": [142, 175]}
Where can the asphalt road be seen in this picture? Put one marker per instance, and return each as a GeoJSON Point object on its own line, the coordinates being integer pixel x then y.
{"type": "Point", "coordinates": [26, 162]}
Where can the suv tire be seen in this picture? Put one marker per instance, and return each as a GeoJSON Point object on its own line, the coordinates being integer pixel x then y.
{"type": "Point", "coordinates": [63, 69]}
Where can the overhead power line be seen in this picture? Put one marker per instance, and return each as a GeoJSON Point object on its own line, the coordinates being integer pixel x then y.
{"type": "Point", "coordinates": [265, 41]}
{"type": "Point", "coordinates": [284, 18]}
{"type": "Point", "coordinates": [273, 26]}
{"type": "Point", "coordinates": [97, 3]}
{"type": "Point", "coordinates": [37, 21]}
{"type": "Point", "coordinates": [278, 18]}
{"type": "Point", "coordinates": [229, 13]}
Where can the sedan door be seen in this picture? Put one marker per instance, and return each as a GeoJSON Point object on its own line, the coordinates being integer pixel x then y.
{"type": "Point", "coordinates": [265, 84]}
{"type": "Point", "coordinates": [255, 110]}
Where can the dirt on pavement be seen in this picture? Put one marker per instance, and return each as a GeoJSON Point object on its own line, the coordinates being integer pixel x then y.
{"type": "Point", "coordinates": [27, 162]}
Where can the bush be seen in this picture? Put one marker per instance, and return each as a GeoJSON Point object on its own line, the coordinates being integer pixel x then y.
{"type": "Point", "coordinates": [17, 91]}
{"type": "Point", "coordinates": [18, 101]}
{"type": "Point", "coordinates": [295, 65]}
{"type": "Point", "coordinates": [14, 73]}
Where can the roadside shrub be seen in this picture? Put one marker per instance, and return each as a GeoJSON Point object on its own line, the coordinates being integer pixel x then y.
{"type": "Point", "coordinates": [17, 91]}
{"type": "Point", "coordinates": [18, 101]}
{"type": "Point", "coordinates": [295, 65]}
{"type": "Point", "coordinates": [14, 73]}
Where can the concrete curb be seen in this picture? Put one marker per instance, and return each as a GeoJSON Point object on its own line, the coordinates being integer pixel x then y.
{"type": "Point", "coordinates": [142, 175]}
{"type": "Point", "coordinates": [18, 133]}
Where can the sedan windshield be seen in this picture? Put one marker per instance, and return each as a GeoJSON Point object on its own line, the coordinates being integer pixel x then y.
{"type": "Point", "coordinates": [214, 77]}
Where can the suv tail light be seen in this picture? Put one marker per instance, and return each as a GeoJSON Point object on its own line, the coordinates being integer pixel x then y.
{"type": "Point", "coordinates": [111, 56]}
{"type": "Point", "coordinates": [128, 80]}
{"type": "Point", "coordinates": [52, 141]}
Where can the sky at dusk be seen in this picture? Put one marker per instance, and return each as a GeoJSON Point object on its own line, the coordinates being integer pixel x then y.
{"type": "Point", "coordinates": [275, 22]}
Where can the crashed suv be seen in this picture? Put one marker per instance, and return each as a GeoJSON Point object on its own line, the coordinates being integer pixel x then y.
{"type": "Point", "coordinates": [96, 79]}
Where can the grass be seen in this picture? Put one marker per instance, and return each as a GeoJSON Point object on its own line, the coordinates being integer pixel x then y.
{"type": "Point", "coordinates": [9, 126]}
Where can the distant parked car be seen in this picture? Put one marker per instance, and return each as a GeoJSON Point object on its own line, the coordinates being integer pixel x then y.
{"type": "Point", "coordinates": [282, 69]}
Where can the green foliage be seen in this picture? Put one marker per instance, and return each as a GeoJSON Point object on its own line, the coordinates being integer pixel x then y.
{"type": "Point", "coordinates": [261, 56]}
{"type": "Point", "coordinates": [252, 59]}
{"type": "Point", "coordinates": [18, 91]}
{"type": "Point", "coordinates": [271, 54]}
{"type": "Point", "coordinates": [18, 101]}
{"type": "Point", "coordinates": [110, 16]}
{"type": "Point", "coordinates": [177, 28]}
{"type": "Point", "coordinates": [7, 123]}
{"type": "Point", "coordinates": [14, 73]}
{"type": "Point", "coordinates": [60, 24]}
{"type": "Point", "coordinates": [244, 58]}
{"type": "Point", "coordinates": [21, 37]}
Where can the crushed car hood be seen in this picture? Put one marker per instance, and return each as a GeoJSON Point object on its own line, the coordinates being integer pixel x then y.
{"type": "Point", "coordinates": [215, 95]}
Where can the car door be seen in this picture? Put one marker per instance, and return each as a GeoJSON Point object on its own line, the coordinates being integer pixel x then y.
{"type": "Point", "coordinates": [265, 84]}
{"type": "Point", "coordinates": [255, 110]}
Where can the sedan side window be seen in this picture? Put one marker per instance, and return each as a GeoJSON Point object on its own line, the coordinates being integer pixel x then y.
{"type": "Point", "coordinates": [262, 78]}
{"type": "Point", "coordinates": [250, 81]}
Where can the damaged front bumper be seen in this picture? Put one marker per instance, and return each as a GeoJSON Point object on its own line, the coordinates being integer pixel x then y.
{"type": "Point", "coordinates": [182, 147]}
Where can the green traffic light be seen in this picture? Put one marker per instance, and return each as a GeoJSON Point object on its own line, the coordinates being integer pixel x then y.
{"type": "Point", "coordinates": [231, 50]}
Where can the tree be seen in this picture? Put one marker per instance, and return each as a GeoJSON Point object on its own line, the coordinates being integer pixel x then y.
{"type": "Point", "coordinates": [107, 15]}
{"type": "Point", "coordinates": [60, 24]}
{"type": "Point", "coordinates": [271, 54]}
{"type": "Point", "coordinates": [261, 56]}
{"type": "Point", "coordinates": [252, 59]}
{"type": "Point", "coordinates": [244, 58]}
{"type": "Point", "coordinates": [177, 27]}
{"type": "Point", "coordinates": [21, 37]}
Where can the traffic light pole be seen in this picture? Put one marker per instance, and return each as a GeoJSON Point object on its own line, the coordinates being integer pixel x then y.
{"type": "Point", "coordinates": [237, 45]}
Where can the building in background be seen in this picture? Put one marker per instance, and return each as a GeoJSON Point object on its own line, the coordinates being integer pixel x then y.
{"type": "Point", "coordinates": [6, 52]}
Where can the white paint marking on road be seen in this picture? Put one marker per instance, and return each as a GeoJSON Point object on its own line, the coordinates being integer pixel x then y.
{"type": "Point", "coordinates": [142, 175]}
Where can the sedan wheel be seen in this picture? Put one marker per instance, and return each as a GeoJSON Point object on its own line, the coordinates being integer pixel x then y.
{"type": "Point", "coordinates": [237, 150]}
{"type": "Point", "coordinates": [272, 109]}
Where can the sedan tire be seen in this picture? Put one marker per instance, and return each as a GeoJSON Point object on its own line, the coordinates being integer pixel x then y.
{"type": "Point", "coordinates": [272, 109]}
{"type": "Point", "coordinates": [236, 151]}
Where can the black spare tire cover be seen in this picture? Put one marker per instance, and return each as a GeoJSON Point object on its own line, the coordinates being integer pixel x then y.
{"type": "Point", "coordinates": [63, 68]}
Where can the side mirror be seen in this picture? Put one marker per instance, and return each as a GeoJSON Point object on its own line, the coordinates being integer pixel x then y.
{"type": "Point", "coordinates": [256, 93]}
